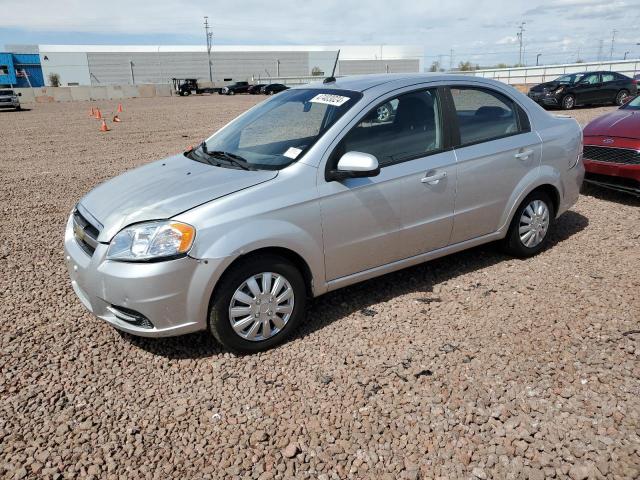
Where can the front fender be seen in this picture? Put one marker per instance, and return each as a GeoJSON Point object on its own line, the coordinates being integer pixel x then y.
{"type": "Point", "coordinates": [245, 238]}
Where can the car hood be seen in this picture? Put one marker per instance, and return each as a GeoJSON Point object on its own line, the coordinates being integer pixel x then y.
{"type": "Point", "coordinates": [162, 190]}
{"type": "Point", "coordinates": [545, 86]}
{"type": "Point", "coordinates": [619, 123]}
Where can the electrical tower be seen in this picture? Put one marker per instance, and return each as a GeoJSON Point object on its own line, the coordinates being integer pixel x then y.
{"type": "Point", "coordinates": [209, 36]}
{"type": "Point", "coordinates": [600, 47]}
{"type": "Point", "coordinates": [451, 61]}
{"type": "Point", "coordinates": [520, 36]}
{"type": "Point", "coordinates": [613, 42]}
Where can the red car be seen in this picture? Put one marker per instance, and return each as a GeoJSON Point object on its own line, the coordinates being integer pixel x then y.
{"type": "Point", "coordinates": [612, 149]}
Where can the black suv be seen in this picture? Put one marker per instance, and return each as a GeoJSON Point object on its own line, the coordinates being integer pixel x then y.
{"type": "Point", "coordinates": [584, 88]}
{"type": "Point", "coordinates": [238, 87]}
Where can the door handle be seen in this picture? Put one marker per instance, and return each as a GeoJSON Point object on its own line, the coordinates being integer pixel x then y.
{"type": "Point", "coordinates": [434, 178]}
{"type": "Point", "coordinates": [524, 154]}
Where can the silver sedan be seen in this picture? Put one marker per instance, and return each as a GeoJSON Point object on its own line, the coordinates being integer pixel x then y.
{"type": "Point", "coordinates": [316, 188]}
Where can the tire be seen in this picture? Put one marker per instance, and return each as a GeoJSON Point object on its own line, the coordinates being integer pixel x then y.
{"type": "Point", "coordinates": [621, 97]}
{"type": "Point", "coordinates": [568, 102]}
{"type": "Point", "coordinates": [19, 108]}
{"type": "Point", "coordinates": [517, 243]}
{"type": "Point", "coordinates": [225, 298]}
{"type": "Point", "coordinates": [232, 92]}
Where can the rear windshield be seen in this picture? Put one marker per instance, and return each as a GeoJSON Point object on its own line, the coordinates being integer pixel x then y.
{"type": "Point", "coordinates": [6, 92]}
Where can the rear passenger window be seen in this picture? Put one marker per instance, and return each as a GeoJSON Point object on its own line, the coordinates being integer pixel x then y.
{"type": "Point", "coordinates": [484, 115]}
{"type": "Point", "coordinates": [608, 77]}
{"type": "Point", "coordinates": [403, 128]}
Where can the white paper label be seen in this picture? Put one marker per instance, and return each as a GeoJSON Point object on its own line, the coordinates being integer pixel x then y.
{"type": "Point", "coordinates": [335, 100]}
{"type": "Point", "coordinates": [292, 152]}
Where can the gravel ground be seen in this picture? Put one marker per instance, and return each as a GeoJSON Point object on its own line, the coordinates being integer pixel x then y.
{"type": "Point", "coordinates": [472, 366]}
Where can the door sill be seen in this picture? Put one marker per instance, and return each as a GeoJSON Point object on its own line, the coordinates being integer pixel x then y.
{"type": "Point", "coordinates": [408, 262]}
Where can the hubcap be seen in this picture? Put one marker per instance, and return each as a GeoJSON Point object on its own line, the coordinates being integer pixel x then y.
{"type": "Point", "coordinates": [383, 113]}
{"type": "Point", "coordinates": [568, 101]}
{"type": "Point", "coordinates": [534, 223]}
{"type": "Point", "coordinates": [621, 97]}
{"type": "Point", "coordinates": [261, 306]}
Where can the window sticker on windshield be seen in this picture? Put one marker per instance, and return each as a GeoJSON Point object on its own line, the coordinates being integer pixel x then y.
{"type": "Point", "coordinates": [292, 153]}
{"type": "Point", "coordinates": [335, 100]}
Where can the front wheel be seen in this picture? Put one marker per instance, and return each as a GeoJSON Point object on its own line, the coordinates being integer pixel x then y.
{"type": "Point", "coordinates": [621, 97]}
{"type": "Point", "coordinates": [258, 304]}
{"type": "Point", "coordinates": [231, 92]}
{"type": "Point", "coordinates": [568, 102]}
{"type": "Point", "coordinates": [529, 229]}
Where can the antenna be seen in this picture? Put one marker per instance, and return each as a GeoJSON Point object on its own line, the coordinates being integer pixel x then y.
{"type": "Point", "coordinates": [332, 78]}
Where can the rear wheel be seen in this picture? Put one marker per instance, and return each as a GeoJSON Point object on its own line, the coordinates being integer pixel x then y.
{"type": "Point", "coordinates": [258, 304]}
{"type": "Point", "coordinates": [621, 97]}
{"type": "Point", "coordinates": [529, 229]}
{"type": "Point", "coordinates": [568, 102]}
{"type": "Point", "coordinates": [232, 92]}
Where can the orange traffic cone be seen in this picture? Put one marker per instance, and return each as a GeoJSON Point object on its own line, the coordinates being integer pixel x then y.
{"type": "Point", "coordinates": [119, 108]}
{"type": "Point", "coordinates": [116, 119]}
{"type": "Point", "coordinates": [98, 114]}
{"type": "Point", "coordinates": [103, 127]}
{"type": "Point", "coordinates": [92, 113]}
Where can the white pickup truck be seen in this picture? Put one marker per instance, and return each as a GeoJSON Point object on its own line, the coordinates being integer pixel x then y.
{"type": "Point", "coordinates": [9, 99]}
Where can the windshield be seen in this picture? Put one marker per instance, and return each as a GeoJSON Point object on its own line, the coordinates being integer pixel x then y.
{"type": "Point", "coordinates": [570, 79]}
{"type": "Point", "coordinates": [6, 92]}
{"type": "Point", "coordinates": [633, 104]}
{"type": "Point", "coordinates": [276, 133]}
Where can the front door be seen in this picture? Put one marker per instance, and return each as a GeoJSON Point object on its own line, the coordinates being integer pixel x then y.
{"type": "Point", "coordinates": [405, 210]}
{"type": "Point", "coordinates": [496, 149]}
{"type": "Point", "coordinates": [589, 89]}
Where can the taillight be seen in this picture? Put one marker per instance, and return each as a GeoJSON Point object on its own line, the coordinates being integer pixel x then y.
{"type": "Point", "coordinates": [634, 82]}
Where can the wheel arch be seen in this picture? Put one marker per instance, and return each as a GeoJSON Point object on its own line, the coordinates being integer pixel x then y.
{"type": "Point", "coordinates": [545, 185]}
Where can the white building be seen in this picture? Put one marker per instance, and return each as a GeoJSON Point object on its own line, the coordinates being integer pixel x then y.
{"type": "Point", "coordinates": [118, 64]}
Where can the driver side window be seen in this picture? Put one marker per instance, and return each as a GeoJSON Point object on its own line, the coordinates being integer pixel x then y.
{"type": "Point", "coordinates": [403, 128]}
{"type": "Point", "coordinates": [591, 79]}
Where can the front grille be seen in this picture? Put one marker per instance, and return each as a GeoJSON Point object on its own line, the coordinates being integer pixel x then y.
{"type": "Point", "coordinates": [5, 99]}
{"type": "Point", "coordinates": [130, 316]}
{"type": "Point", "coordinates": [624, 156]}
{"type": "Point", "coordinates": [85, 233]}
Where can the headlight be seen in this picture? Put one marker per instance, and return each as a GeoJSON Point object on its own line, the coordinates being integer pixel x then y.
{"type": "Point", "coordinates": [151, 241]}
{"type": "Point", "coordinates": [559, 90]}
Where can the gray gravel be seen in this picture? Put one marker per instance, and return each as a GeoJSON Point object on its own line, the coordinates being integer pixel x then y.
{"type": "Point", "coordinates": [473, 366]}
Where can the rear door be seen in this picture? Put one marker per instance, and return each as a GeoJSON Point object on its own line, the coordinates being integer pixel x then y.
{"type": "Point", "coordinates": [495, 149]}
{"type": "Point", "coordinates": [610, 87]}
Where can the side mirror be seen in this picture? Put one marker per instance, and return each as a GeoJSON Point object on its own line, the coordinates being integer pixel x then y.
{"type": "Point", "coordinates": [355, 165]}
{"type": "Point", "coordinates": [19, 94]}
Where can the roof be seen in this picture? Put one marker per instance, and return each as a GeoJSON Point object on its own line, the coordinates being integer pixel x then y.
{"type": "Point", "coordinates": [360, 83]}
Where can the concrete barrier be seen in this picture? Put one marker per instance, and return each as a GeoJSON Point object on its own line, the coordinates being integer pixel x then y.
{"type": "Point", "coordinates": [96, 92]}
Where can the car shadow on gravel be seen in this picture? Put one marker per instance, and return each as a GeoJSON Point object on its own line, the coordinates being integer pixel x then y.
{"type": "Point", "coordinates": [422, 278]}
{"type": "Point", "coordinates": [609, 195]}
{"type": "Point", "coordinates": [364, 296]}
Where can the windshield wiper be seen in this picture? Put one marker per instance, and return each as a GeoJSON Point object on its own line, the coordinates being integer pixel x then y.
{"type": "Point", "coordinates": [231, 158]}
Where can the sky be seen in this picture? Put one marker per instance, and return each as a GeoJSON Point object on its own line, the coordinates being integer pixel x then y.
{"type": "Point", "coordinates": [483, 32]}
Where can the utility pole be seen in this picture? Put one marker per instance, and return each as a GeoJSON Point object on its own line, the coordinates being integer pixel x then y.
{"type": "Point", "coordinates": [613, 41]}
{"type": "Point", "coordinates": [209, 36]}
{"type": "Point", "coordinates": [538, 59]}
{"type": "Point", "coordinates": [451, 60]}
{"type": "Point", "coordinates": [520, 36]}
{"type": "Point", "coordinates": [133, 78]}
{"type": "Point", "coordinates": [625, 54]}
{"type": "Point", "coordinates": [278, 68]}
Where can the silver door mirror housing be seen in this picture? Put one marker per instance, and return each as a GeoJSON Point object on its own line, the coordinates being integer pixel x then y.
{"type": "Point", "coordinates": [355, 165]}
